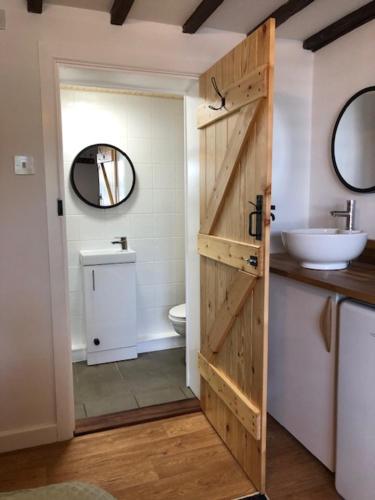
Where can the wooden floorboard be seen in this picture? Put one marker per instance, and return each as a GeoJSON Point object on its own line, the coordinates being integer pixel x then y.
{"type": "Point", "coordinates": [180, 457]}
{"type": "Point", "coordinates": [292, 472]}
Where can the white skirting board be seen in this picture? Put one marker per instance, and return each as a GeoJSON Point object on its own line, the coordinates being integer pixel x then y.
{"type": "Point", "coordinates": [111, 355]}
{"type": "Point", "coordinates": [169, 341]}
{"type": "Point", "coordinates": [16, 439]}
{"type": "Point", "coordinates": [78, 353]}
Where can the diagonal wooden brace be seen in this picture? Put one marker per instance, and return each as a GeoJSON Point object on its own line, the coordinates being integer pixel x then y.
{"type": "Point", "coordinates": [235, 298]}
{"type": "Point", "coordinates": [246, 118]}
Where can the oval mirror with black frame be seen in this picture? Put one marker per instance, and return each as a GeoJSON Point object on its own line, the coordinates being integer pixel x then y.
{"type": "Point", "coordinates": [353, 142]}
{"type": "Point", "coordinates": [102, 176]}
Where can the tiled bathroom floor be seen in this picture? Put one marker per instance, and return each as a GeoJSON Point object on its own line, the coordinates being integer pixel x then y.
{"type": "Point", "coordinates": [153, 378]}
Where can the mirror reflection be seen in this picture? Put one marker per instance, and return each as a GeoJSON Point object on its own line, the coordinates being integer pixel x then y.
{"type": "Point", "coordinates": [102, 176]}
{"type": "Point", "coordinates": [353, 143]}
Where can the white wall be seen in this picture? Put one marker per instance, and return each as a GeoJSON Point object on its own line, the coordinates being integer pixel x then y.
{"type": "Point", "coordinates": [28, 409]}
{"type": "Point", "coordinates": [291, 138]}
{"type": "Point", "coordinates": [340, 70]}
{"type": "Point", "coordinates": [151, 131]}
{"type": "Point", "coordinates": [192, 222]}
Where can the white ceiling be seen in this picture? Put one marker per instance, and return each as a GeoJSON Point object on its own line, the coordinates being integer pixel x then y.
{"type": "Point", "coordinates": [232, 15]}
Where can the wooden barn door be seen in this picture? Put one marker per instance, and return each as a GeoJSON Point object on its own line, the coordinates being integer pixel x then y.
{"type": "Point", "coordinates": [235, 163]}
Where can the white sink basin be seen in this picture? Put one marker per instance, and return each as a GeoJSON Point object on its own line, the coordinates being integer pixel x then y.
{"type": "Point", "coordinates": [324, 248]}
{"type": "Point", "coordinates": [106, 256]}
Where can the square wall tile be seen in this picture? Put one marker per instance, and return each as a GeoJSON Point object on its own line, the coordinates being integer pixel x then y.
{"type": "Point", "coordinates": [164, 176]}
{"type": "Point", "coordinates": [142, 226]}
{"type": "Point", "coordinates": [180, 293]}
{"type": "Point", "coordinates": [145, 249]}
{"type": "Point", "coordinates": [180, 201]}
{"type": "Point", "coordinates": [180, 271]}
{"type": "Point", "coordinates": [165, 272]}
{"type": "Point", "coordinates": [118, 224]}
{"type": "Point", "coordinates": [138, 109]}
{"type": "Point", "coordinates": [180, 225]}
{"type": "Point", "coordinates": [97, 228]}
{"type": "Point", "coordinates": [180, 176]}
{"type": "Point", "coordinates": [179, 248]}
{"type": "Point", "coordinates": [164, 201]}
{"type": "Point", "coordinates": [161, 320]}
{"type": "Point", "coordinates": [146, 296]}
{"type": "Point", "coordinates": [163, 151]}
{"type": "Point", "coordinates": [140, 201]}
{"type": "Point", "coordinates": [146, 273]}
{"type": "Point", "coordinates": [74, 248]}
{"type": "Point", "coordinates": [73, 225]}
{"type": "Point", "coordinates": [164, 249]}
{"type": "Point", "coordinates": [139, 150]}
{"type": "Point", "coordinates": [145, 322]}
{"type": "Point", "coordinates": [144, 175]}
{"type": "Point", "coordinates": [75, 279]}
{"type": "Point", "coordinates": [164, 225]}
{"type": "Point", "coordinates": [76, 303]}
{"type": "Point", "coordinates": [165, 295]}
{"type": "Point", "coordinates": [77, 331]}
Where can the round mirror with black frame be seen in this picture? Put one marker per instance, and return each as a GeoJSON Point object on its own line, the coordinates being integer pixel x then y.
{"type": "Point", "coordinates": [102, 176]}
{"type": "Point", "coordinates": [353, 142]}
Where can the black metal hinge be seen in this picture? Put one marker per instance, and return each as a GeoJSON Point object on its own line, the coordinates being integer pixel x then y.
{"type": "Point", "coordinates": [60, 208]}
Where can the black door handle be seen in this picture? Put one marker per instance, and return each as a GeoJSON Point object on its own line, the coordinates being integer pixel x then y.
{"type": "Point", "coordinates": [258, 213]}
{"type": "Point", "coordinates": [273, 216]}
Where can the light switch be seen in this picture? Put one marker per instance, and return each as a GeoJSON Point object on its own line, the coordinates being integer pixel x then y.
{"type": "Point", "coordinates": [24, 165]}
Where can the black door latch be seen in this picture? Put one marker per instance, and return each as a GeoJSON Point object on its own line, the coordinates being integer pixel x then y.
{"type": "Point", "coordinates": [258, 214]}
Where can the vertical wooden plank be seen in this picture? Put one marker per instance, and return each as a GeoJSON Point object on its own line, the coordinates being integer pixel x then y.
{"type": "Point", "coordinates": [243, 355]}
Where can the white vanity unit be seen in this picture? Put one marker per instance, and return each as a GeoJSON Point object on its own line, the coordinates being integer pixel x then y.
{"type": "Point", "coordinates": [302, 363]}
{"type": "Point", "coordinates": [109, 289]}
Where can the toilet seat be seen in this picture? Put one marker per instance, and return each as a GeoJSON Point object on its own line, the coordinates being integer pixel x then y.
{"type": "Point", "coordinates": [178, 313]}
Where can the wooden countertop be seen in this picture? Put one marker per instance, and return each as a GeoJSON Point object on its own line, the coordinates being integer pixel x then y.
{"type": "Point", "coordinates": [356, 282]}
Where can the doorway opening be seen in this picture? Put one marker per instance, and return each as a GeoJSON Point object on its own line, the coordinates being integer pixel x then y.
{"type": "Point", "coordinates": [123, 148]}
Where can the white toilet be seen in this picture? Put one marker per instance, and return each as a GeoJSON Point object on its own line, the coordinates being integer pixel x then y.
{"type": "Point", "coordinates": [177, 316]}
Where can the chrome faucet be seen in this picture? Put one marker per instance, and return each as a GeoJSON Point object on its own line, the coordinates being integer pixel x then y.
{"type": "Point", "coordinates": [122, 240]}
{"type": "Point", "coordinates": [348, 213]}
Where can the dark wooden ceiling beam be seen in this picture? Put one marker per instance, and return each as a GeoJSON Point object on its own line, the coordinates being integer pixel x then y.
{"type": "Point", "coordinates": [200, 15]}
{"type": "Point", "coordinates": [341, 27]}
{"type": "Point", "coordinates": [285, 12]}
{"type": "Point", "coordinates": [35, 6]}
{"type": "Point", "coordinates": [120, 10]}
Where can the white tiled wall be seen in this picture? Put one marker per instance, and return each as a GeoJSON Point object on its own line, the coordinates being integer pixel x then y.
{"type": "Point", "coordinates": [150, 130]}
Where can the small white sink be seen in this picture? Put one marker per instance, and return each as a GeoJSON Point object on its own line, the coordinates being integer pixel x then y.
{"type": "Point", "coordinates": [327, 249]}
{"type": "Point", "coordinates": [106, 256]}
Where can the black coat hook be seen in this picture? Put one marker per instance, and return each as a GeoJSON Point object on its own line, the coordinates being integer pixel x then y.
{"type": "Point", "coordinates": [222, 105]}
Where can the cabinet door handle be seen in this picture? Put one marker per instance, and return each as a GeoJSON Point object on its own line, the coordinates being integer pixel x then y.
{"type": "Point", "coordinates": [326, 324]}
{"type": "Point", "coordinates": [93, 279]}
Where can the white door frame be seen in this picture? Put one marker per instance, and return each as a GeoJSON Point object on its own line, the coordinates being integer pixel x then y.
{"type": "Point", "coordinates": [50, 57]}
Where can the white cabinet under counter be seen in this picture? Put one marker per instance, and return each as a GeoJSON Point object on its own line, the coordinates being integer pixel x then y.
{"type": "Point", "coordinates": [109, 292]}
{"type": "Point", "coordinates": [302, 364]}
{"type": "Point", "coordinates": [315, 345]}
